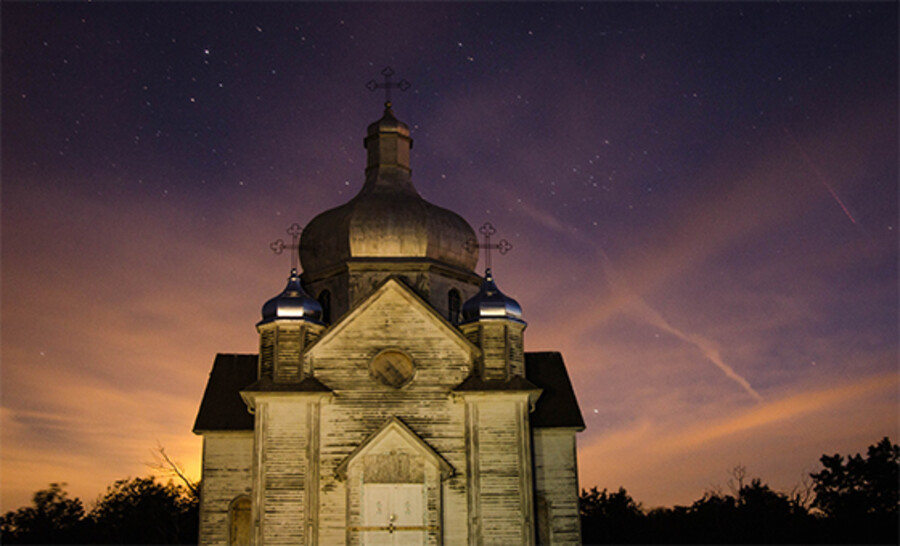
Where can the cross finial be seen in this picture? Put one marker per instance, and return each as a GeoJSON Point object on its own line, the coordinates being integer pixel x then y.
{"type": "Point", "coordinates": [279, 245]}
{"type": "Point", "coordinates": [503, 246]}
{"type": "Point", "coordinates": [402, 85]}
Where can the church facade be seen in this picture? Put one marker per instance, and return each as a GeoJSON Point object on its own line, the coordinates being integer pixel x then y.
{"type": "Point", "coordinates": [392, 400]}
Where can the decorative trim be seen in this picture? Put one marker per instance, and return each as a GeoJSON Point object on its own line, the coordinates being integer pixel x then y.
{"type": "Point", "coordinates": [395, 424]}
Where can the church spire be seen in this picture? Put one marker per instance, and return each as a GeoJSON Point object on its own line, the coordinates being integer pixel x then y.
{"type": "Point", "coordinates": [388, 144]}
{"type": "Point", "coordinates": [493, 321]}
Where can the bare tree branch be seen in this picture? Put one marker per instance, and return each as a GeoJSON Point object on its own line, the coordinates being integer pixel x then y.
{"type": "Point", "coordinates": [166, 466]}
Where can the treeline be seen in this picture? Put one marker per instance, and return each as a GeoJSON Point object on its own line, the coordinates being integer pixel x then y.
{"type": "Point", "coordinates": [852, 501]}
{"type": "Point", "coordinates": [133, 511]}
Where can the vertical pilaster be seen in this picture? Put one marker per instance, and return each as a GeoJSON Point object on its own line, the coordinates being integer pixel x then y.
{"type": "Point", "coordinates": [473, 474]}
{"type": "Point", "coordinates": [313, 415]}
{"type": "Point", "coordinates": [526, 479]}
{"type": "Point", "coordinates": [259, 470]}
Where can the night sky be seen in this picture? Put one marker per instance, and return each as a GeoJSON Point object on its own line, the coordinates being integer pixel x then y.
{"type": "Point", "coordinates": [702, 200]}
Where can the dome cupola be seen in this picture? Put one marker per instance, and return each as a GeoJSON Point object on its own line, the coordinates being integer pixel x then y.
{"type": "Point", "coordinates": [387, 219]}
{"type": "Point", "coordinates": [292, 304]}
{"type": "Point", "coordinates": [387, 142]}
{"type": "Point", "coordinates": [491, 303]}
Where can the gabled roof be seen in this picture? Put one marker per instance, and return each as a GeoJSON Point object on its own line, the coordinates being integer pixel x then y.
{"type": "Point", "coordinates": [222, 407]}
{"type": "Point", "coordinates": [395, 426]}
{"type": "Point", "coordinates": [557, 406]}
{"type": "Point", "coordinates": [395, 284]}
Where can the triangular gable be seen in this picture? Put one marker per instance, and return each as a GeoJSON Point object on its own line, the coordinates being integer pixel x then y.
{"type": "Point", "coordinates": [393, 284]}
{"type": "Point", "coordinates": [394, 428]}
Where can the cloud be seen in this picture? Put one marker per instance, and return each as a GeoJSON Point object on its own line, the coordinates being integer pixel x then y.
{"type": "Point", "coordinates": [820, 419]}
{"type": "Point", "coordinates": [639, 308]}
{"type": "Point", "coordinates": [624, 300]}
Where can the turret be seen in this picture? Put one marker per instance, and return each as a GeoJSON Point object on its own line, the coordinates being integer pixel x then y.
{"type": "Point", "coordinates": [387, 144]}
{"type": "Point", "coordinates": [493, 321]}
{"type": "Point", "coordinates": [291, 321]}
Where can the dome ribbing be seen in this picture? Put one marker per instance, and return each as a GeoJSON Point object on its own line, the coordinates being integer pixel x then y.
{"type": "Point", "coordinates": [388, 218]}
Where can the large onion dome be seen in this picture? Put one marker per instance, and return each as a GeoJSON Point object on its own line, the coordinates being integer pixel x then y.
{"type": "Point", "coordinates": [491, 303]}
{"type": "Point", "coordinates": [293, 303]}
{"type": "Point", "coordinates": [388, 218]}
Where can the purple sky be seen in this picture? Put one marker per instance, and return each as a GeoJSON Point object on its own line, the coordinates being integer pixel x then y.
{"type": "Point", "coordinates": [702, 200]}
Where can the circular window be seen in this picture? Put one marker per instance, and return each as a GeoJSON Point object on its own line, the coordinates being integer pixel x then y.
{"type": "Point", "coordinates": [392, 367]}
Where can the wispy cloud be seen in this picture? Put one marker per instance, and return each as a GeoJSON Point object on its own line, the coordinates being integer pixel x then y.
{"type": "Point", "coordinates": [640, 309]}
{"type": "Point", "coordinates": [629, 302]}
{"type": "Point", "coordinates": [640, 453]}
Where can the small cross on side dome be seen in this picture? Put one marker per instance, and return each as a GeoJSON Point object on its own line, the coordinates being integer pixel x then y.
{"type": "Point", "coordinates": [279, 245]}
{"type": "Point", "coordinates": [487, 229]}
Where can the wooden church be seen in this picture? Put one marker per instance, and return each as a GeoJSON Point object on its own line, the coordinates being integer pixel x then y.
{"type": "Point", "coordinates": [392, 400]}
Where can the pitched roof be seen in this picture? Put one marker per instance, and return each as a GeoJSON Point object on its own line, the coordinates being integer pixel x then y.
{"type": "Point", "coordinates": [223, 408]}
{"type": "Point", "coordinates": [397, 426]}
{"type": "Point", "coordinates": [557, 406]}
{"type": "Point", "coordinates": [400, 286]}
{"type": "Point", "coordinates": [474, 383]}
{"type": "Point", "coordinates": [308, 384]}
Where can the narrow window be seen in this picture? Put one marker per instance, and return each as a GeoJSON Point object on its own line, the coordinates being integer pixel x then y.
{"type": "Point", "coordinates": [239, 521]}
{"type": "Point", "coordinates": [325, 302]}
{"type": "Point", "coordinates": [453, 303]}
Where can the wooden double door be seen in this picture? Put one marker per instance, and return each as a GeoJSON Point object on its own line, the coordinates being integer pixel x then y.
{"type": "Point", "coordinates": [394, 514]}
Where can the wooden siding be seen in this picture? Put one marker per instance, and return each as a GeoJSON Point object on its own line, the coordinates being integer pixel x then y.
{"type": "Point", "coordinates": [556, 483]}
{"type": "Point", "coordinates": [351, 417]}
{"type": "Point", "coordinates": [502, 346]}
{"type": "Point", "coordinates": [287, 351]}
{"type": "Point", "coordinates": [432, 282]}
{"type": "Point", "coordinates": [499, 480]}
{"type": "Point", "coordinates": [286, 478]}
{"type": "Point", "coordinates": [442, 359]}
{"type": "Point", "coordinates": [289, 463]}
{"type": "Point", "coordinates": [227, 460]}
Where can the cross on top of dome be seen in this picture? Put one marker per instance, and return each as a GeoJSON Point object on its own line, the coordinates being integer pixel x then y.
{"type": "Point", "coordinates": [279, 245]}
{"type": "Point", "coordinates": [487, 229]}
{"type": "Point", "coordinates": [402, 85]}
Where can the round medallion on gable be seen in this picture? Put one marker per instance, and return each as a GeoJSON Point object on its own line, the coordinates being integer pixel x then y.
{"type": "Point", "coordinates": [392, 367]}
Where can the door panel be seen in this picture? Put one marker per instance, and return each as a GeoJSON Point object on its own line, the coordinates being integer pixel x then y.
{"type": "Point", "coordinates": [396, 510]}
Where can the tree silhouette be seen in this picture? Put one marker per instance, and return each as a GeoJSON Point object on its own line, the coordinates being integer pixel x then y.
{"type": "Point", "coordinates": [53, 519]}
{"type": "Point", "coordinates": [142, 511]}
{"type": "Point", "coordinates": [861, 496]}
{"type": "Point", "coordinates": [610, 517]}
{"type": "Point", "coordinates": [133, 511]}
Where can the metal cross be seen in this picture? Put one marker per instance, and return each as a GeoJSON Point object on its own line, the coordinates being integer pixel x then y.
{"type": "Point", "coordinates": [503, 246]}
{"type": "Point", "coordinates": [279, 245]}
{"type": "Point", "coordinates": [402, 85]}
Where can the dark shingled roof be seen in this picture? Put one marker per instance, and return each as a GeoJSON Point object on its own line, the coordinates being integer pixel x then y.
{"type": "Point", "coordinates": [308, 384]}
{"type": "Point", "coordinates": [473, 383]}
{"type": "Point", "coordinates": [557, 406]}
{"type": "Point", "coordinates": [223, 408]}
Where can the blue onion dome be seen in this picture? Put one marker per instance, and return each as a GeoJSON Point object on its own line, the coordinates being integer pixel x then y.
{"type": "Point", "coordinates": [491, 303]}
{"type": "Point", "coordinates": [292, 304]}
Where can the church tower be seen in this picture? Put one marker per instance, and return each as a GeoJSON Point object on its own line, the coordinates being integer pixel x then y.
{"type": "Point", "coordinates": [391, 401]}
{"type": "Point", "coordinates": [388, 229]}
